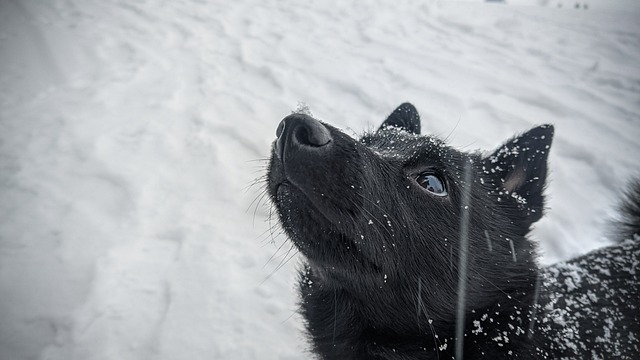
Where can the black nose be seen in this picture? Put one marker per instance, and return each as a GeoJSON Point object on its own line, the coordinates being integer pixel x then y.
{"type": "Point", "coordinates": [299, 131]}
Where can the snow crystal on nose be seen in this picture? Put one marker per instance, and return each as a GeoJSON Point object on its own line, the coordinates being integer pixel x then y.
{"type": "Point", "coordinates": [302, 108]}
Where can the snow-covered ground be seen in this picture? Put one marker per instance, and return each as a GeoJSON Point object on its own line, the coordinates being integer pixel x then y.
{"type": "Point", "coordinates": [129, 131]}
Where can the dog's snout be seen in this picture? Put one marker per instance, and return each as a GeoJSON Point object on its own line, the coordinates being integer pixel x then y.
{"type": "Point", "coordinates": [299, 131]}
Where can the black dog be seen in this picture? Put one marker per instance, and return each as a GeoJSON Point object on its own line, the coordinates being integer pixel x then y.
{"type": "Point", "coordinates": [418, 251]}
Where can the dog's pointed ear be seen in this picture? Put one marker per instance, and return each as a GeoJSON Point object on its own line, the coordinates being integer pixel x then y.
{"type": "Point", "coordinates": [518, 170]}
{"type": "Point", "coordinates": [405, 117]}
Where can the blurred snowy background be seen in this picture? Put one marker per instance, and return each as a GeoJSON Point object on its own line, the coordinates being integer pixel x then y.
{"type": "Point", "coordinates": [129, 131]}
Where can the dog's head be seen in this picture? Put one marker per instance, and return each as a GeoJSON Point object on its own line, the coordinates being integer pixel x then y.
{"type": "Point", "coordinates": [385, 211]}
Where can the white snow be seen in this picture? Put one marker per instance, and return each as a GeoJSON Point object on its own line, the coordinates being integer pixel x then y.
{"type": "Point", "coordinates": [129, 132]}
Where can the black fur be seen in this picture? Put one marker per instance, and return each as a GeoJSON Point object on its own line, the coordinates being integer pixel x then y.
{"type": "Point", "coordinates": [629, 222]}
{"type": "Point", "coordinates": [383, 252]}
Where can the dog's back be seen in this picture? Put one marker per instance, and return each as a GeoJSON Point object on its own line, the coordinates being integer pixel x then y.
{"type": "Point", "coordinates": [591, 304]}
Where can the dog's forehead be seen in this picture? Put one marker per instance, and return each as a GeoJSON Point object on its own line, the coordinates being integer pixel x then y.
{"type": "Point", "coordinates": [399, 144]}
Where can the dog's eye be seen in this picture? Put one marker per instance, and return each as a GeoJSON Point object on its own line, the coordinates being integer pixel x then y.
{"type": "Point", "coordinates": [432, 184]}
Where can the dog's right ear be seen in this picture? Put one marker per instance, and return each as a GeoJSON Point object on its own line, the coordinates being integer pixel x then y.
{"type": "Point", "coordinates": [404, 117]}
{"type": "Point", "coordinates": [518, 168]}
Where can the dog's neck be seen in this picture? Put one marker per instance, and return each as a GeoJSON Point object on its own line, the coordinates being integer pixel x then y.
{"type": "Point", "coordinates": [347, 324]}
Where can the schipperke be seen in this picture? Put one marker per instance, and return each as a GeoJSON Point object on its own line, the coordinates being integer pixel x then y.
{"type": "Point", "coordinates": [415, 250]}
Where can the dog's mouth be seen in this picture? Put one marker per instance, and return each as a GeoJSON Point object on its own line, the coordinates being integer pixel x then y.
{"type": "Point", "coordinates": [283, 189]}
{"type": "Point", "coordinates": [324, 204]}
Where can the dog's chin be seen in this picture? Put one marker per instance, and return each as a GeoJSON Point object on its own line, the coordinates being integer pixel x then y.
{"type": "Point", "coordinates": [328, 264]}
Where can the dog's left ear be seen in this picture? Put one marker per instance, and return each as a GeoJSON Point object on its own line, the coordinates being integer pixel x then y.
{"type": "Point", "coordinates": [518, 169]}
{"type": "Point", "coordinates": [404, 117]}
